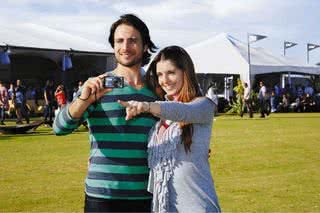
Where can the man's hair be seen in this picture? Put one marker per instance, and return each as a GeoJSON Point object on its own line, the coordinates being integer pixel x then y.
{"type": "Point", "coordinates": [190, 88]}
{"type": "Point", "coordinates": [139, 25]}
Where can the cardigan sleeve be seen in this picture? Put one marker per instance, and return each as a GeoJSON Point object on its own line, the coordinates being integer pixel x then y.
{"type": "Point", "coordinates": [198, 111]}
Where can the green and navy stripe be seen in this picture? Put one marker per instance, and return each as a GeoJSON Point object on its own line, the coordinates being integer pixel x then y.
{"type": "Point", "coordinates": [118, 156]}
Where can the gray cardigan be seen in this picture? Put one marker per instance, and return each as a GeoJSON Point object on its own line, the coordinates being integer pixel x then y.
{"type": "Point", "coordinates": [180, 181]}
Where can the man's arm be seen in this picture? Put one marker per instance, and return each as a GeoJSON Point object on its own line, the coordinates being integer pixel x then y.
{"type": "Point", "coordinates": [91, 91]}
{"type": "Point", "coordinates": [71, 116]}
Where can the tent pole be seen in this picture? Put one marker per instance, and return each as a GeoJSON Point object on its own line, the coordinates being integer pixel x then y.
{"type": "Point", "coordinates": [249, 62]}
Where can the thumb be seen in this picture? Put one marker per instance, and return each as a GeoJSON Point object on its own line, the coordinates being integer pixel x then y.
{"type": "Point", "coordinates": [123, 103]}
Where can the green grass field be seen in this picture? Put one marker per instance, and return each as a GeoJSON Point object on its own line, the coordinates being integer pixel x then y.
{"type": "Point", "coordinates": [259, 165]}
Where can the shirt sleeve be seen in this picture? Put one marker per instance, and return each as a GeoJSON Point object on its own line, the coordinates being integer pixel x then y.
{"type": "Point", "coordinates": [198, 111]}
{"type": "Point", "coordinates": [65, 124]}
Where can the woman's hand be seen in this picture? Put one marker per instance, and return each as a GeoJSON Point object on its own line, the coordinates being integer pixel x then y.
{"type": "Point", "coordinates": [134, 108]}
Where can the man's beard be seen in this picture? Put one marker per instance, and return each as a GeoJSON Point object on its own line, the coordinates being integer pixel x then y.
{"type": "Point", "coordinates": [132, 63]}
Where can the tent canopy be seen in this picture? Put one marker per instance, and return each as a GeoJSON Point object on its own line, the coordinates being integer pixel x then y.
{"type": "Point", "coordinates": [224, 54]}
{"type": "Point", "coordinates": [31, 39]}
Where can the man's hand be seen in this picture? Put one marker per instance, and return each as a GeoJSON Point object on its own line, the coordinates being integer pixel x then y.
{"type": "Point", "coordinates": [93, 89]}
{"type": "Point", "coordinates": [134, 108]}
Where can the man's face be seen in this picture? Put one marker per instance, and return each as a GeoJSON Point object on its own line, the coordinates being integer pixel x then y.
{"type": "Point", "coordinates": [128, 46]}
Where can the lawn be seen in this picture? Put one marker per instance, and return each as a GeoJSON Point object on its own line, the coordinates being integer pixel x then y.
{"type": "Point", "coordinates": [259, 165]}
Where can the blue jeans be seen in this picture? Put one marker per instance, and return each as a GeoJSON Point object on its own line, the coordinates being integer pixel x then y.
{"type": "Point", "coordinates": [48, 112]}
{"type": "Point", "coordinates": [93, 204]}
{"type": "Point", "coordinates": [2, 113]}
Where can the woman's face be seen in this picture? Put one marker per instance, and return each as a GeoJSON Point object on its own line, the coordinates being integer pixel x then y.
{"type": "Point", "coordinates": [170, 77]}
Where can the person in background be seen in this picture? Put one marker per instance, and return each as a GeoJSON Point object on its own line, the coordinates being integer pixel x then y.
{"type": "Point", "coordinates": [274, 101]}
{"type": "Point", "coordinates": [117, 173]}
{"type": "Point", "coordinates": [48, 98]}
{"type": "Point", "coordinates": [24, 111]}
{"type": "Point", "coordinates": [284, 104]}
{"type": "Point", "coordinates": [308, 103]}
{"type": "Point", "coordinates": [60, 96]}
{"type": "Point", "coordinates": [18, 102]}
{"type": "Point", "coordinates": [247, 100]}
{"type": "Point", "coordinates": [309, 90]}
{"type": "Point", "coordinates": [11, 95]}
{"type": "Point", "coordinates": [300, 91]}
{"type": "Point", "coordinates": [4, 104]}
{"type": "Point", "coordinates": [180, 178]}
{"type": "Point", "coordinates": [212, 94]}
{"type": "Point", "coordinates": [262, 96]}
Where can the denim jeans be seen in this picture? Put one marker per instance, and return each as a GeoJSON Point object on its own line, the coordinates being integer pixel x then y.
{"type": "Point", "coordinates": [48, 112]}
{"type": "Point", "coordinates": [93, 204]}
{"type": "Point", "coordinates": [2, 113]}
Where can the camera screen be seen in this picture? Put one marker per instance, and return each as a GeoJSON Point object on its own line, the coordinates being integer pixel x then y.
{"type": "Point", "coordinates": [114, 82]}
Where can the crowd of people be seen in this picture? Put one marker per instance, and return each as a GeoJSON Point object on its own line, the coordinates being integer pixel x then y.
{"type": "Point", "coordinates": [20, 101]}
{"type": "Point", "coordinates": [295, 98]}
{"type": "Point", "coordinates": [275, 99]}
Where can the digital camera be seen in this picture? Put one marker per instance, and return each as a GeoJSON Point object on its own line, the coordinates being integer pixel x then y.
{"type": "Point", "coordinates": [113, 82]}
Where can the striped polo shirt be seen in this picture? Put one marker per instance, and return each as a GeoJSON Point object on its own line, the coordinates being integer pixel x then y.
{"type": "Point", "coordinates": [118, 155]}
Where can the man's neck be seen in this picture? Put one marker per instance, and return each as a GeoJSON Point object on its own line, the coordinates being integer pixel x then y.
{"type": "Point", "coordinates": [131, 74]}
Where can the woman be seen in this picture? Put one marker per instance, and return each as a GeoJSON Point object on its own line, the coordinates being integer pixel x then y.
{"type": "Point", "coordinates": [180, 178]}
{"type": "Point", "coordinates": [60, 96]}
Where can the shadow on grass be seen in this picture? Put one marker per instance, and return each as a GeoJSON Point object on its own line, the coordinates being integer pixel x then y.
{"type": "Point", "coordinates": [35, 133]}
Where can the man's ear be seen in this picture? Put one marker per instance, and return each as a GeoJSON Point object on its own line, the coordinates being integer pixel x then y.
{"type": "Point", "coordinates": [145, 48]}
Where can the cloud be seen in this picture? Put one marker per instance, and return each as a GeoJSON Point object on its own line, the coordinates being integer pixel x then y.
{"type": "Point", "coordinates": [230, 8]}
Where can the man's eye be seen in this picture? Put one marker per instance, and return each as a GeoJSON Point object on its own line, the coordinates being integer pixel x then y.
{"type": "Point", "coordinates": [133, 40]}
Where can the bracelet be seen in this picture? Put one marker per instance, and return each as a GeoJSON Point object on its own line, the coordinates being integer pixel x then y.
{"type": "Point", "coordinates": [84, 99]}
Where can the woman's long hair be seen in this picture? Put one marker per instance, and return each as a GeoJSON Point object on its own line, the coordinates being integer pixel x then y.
{"type": "Point", "coordinates": [190, 88]}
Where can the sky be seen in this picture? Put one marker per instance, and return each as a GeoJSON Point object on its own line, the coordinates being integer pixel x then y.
{"type": "Point", "coordinates": [171, 22]}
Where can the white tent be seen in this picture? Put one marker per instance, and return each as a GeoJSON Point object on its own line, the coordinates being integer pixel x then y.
{"type": "Point", "coordinates": [28, 38]}
{"type": "Point", "coordinates": [223, 54]}
{"type": "Point", "coordinates": [31, 45]}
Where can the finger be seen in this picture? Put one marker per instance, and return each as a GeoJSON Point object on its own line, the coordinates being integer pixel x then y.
{"type": "Point", "coordinates": [123, 103]}
{"type": "Point", "coordinates": [92, 87]}
{"type": "Point", "coordinates": [102, 75]}
{"type": "Point", "coordinates": [128, 114]}
{"type": "Point", "coordinates": [100, 82]}
{"type": "Point", "coordinates": [105, 90]}
{"type": "Point", "coordinates": [140, 108]}
{"type": "Point", "coordinates": [95, 82]}
{"type": "Point", "coordinates": [100, 93]}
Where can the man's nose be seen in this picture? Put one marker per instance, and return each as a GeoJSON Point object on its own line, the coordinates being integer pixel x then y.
{"type": "Point", "coordinates": [126, 45]}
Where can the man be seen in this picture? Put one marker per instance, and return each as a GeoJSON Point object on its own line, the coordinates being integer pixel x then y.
{"type": "Point", "coordinates": [211, 93]}
{"type": "Point", "coordinates": [309, 90]}
{"type": "Point", "coordinates": [263, 99]}
{"type": "Point", "coordinates": [247, 100]}
{"type": "Point", "coordinates": [4, 104]}
{"type": "Point", "coordinates": [117, 173]}
{"type": "Point", "coordinates": [21, 102]}
{"type": "Point", "coordinates": [48, 95]}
